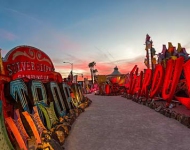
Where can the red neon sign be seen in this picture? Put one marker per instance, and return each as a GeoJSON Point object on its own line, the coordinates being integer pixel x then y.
{"type": "Point", "coordinates": [29, 62]}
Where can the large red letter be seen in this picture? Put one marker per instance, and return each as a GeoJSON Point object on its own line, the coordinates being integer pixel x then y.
{"type": "Point", "coordinates": [186, 100]}
{"type": "Point", "coordinates": [131, 80]}
{"type": "Point", "coordinates": [138, 84]}
{"type": "Point", "coordinates": [173, 72]}
{"type": "Point", "coordinates": [157, 80]}
{"type": "Point", "coordinates": [146, 83]}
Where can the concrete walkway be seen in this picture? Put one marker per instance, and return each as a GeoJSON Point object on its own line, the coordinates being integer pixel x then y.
{"type": "Point", "coordinates": [115, 123]}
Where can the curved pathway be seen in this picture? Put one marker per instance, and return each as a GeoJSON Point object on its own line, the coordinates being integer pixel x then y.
{"type": "Point", "coordinates": [116, 123]}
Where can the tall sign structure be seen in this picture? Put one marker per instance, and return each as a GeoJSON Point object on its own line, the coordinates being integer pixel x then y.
{"type": "Point", "coordinates": [150, 61]}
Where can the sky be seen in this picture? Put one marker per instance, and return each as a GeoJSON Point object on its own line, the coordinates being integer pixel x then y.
{"type": "Point", "coordinates": [109, 32]}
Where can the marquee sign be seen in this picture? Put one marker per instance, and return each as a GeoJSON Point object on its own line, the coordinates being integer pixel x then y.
{"type": "Point", "coordinates": [30, 62]}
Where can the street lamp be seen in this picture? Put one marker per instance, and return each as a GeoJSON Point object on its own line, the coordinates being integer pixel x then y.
{"type": "Point", "coordinates": [70, 64]}
{"type": "Point", "coordinates": [71, 69]}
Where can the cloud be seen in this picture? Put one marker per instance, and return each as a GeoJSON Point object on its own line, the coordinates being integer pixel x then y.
{"type": "Point", "coordinates": [6, 35]}
{"type": "Point", "coordinates": [127, 65]}
{"type": "Point", "coordinates": [4, 52]}
{"type": "Point", "coordinates": [69, 44]}
{"type": "Point", "coordinates": [73, 58]}
{"type": "Point", "coordinates": [104, 68]}
{"type": "Point", "coordinates": [23, 14]}
{"type": "Point", "coordinates": [79, 67]}
{"type": "Point", "coordinates": [124, 65]}
{"type": "Point", "coordinates": [105, 55]}
{"type": "Point", "coordinates": [187, 45]}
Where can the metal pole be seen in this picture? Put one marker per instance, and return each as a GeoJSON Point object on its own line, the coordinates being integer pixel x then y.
{"type": "Point", "coordinates": [151, 57]}
{"type": "Point", "coordinates": [71, 68]}
{"type": "Point", "coordinates": [147, 56]}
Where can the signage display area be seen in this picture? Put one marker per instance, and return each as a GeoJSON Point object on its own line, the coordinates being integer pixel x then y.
{"type": "Point", "coordinates": [36, 105]}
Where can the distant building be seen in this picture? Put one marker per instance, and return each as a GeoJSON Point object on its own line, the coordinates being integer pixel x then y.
{"type": "Point", "coordinates": [115, 72]}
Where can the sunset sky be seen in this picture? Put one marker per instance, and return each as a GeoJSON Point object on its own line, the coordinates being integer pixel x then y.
{"type": "Point", "coordinates": [109, 32]}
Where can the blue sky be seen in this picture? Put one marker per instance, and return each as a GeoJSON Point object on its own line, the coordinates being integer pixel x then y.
{"type": "Point", "coordinates": [109, 32]}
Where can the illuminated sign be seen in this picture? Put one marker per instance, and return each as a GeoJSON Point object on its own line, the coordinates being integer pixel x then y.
{"type": "Point", "coordinates": [30, 62]}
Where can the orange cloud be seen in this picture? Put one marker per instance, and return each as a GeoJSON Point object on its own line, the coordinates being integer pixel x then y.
{"type": "Point", "coordinates": [103, 68]}
{"type": "Point", "coordinates": [81, 67]}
